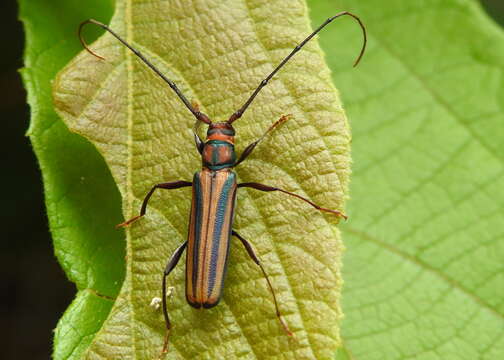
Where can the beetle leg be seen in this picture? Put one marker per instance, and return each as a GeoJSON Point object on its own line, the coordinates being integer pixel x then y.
{"type": "Point", "coordinates": [169, 267]}
{"type": "Point", "coordinates": [168, 185]}
{"type": "Point", "coordinates": [248, 150]}
{"type": "Point", "coordinates": [251, 253]}
{"type": "Point", "coordinates": [263, 187]}
{"type": "Point", "coordinates": [197, 139]}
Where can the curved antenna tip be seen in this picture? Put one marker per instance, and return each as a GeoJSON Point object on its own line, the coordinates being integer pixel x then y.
{"type": "Point", "coordinates": [81, 38]}
{"type": "Point", "coordinates": [363, 49]}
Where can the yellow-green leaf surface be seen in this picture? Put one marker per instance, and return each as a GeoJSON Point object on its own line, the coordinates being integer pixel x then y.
{"type": "Point", "coordinates": [75, 177]}
{"type": "Point", "coordinates": [218, 52]}
{"type": "Point", "coordinates": [424, 267]}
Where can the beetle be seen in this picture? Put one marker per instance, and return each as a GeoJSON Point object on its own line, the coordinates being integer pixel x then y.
{"type": "Point", "coordinates": [214, 190]}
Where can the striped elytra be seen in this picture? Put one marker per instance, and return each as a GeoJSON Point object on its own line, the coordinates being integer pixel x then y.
{"type": "Point", "coordinates": [211, 221]}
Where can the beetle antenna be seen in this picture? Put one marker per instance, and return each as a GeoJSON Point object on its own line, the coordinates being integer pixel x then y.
{"type": "Point", "coordinates": [198, 114]}
{"type": "Point", "coordinates": [237, 114]}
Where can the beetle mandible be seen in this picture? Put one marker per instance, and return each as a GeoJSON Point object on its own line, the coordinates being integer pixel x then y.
{"type": "Point", "coordinates": [214, 193]}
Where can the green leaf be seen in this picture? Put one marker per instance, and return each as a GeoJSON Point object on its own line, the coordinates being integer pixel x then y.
{"type": "Point", "coordinates": [423, 271]}
{"type": "Point", "coordinates": [75, 176]}
{"type": "Point", "coordinates": [217, 53]}
{"type": "Point", "coordinates": [424, 276]}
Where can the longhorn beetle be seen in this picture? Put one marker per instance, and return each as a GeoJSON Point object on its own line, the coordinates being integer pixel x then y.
{"type": "Point", "coordinates": [214, 193]}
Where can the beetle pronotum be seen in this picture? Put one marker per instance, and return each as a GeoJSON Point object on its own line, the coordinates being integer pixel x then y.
{"type": "Point", "coordinates": [214, 193]}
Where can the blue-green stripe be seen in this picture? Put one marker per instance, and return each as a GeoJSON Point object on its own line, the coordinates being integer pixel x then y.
{"type": "Point", "coordinates": [222, 209]}
{"type": "Point", "coordinates": [198, 202]}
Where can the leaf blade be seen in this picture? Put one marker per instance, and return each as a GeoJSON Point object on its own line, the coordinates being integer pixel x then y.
{"type": "Point", "coordinates": [138, 159]}
{"type": "Point", "coordinates": [423, 237]}
{"type": "Point", "coordinates": [71, 188]}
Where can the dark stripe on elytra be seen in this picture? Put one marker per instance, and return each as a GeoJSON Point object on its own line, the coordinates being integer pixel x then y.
{"type": "Point", "coordinates": [222, 209]}
{"type": "Point", "coordinates": [198, 202]}
{"type": "Point", "coordinates": [208, 305]}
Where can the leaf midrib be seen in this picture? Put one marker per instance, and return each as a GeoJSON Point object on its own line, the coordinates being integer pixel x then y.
{"type": "Point", "coordinates": [131, 198]}
{"type": "Point", "coordinates": [131, 195]}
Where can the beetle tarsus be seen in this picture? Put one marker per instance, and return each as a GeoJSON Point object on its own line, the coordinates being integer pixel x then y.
{"type": "Point", "coordinates": [128, 222]}
{"type": "Point", "coordinates": [165, 345]}
{"type": "Point", "coordinates": [335, 212]}
{"type": "Point", "coordinates": [285, 326]}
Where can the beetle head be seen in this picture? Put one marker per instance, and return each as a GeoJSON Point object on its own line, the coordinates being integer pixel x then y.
{"type": "Point", "coordinates": [223, 131]}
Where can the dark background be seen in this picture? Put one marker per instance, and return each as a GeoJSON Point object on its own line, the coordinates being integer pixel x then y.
{"type": "Point", "coordinates": [34, 291]}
